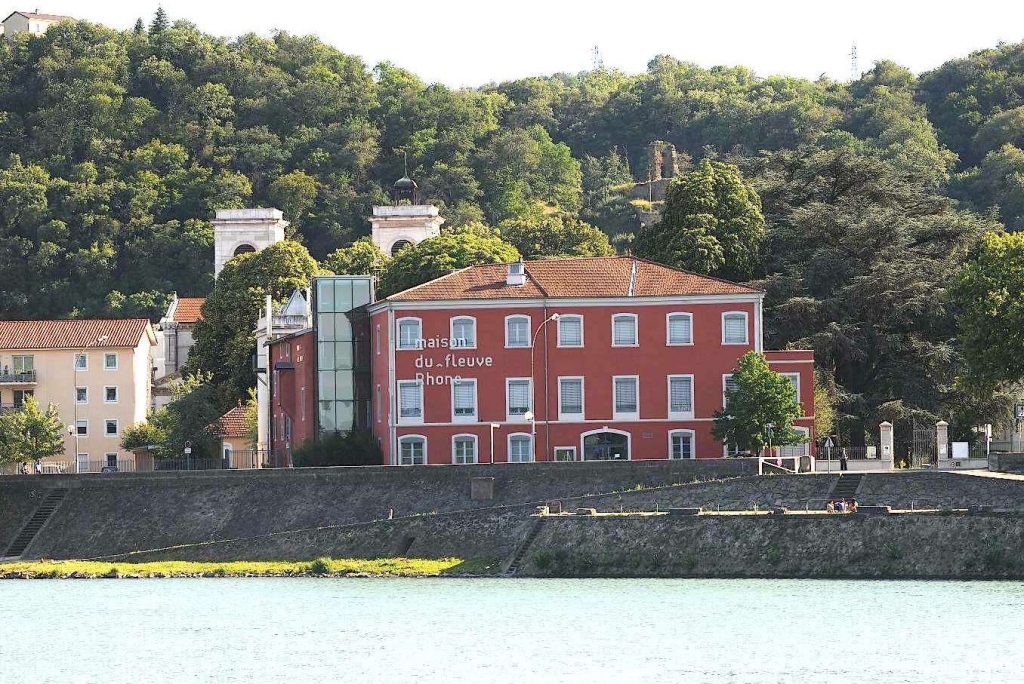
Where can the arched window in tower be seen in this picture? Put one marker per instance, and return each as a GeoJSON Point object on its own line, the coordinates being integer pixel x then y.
{"type": "Point", "coordinates": [243, 249]}
{"type": "Point", "coordinates": [399, 246]}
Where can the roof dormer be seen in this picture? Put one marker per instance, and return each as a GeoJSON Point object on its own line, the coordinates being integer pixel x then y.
{"type": "Point", "coordinates": [516, 273]}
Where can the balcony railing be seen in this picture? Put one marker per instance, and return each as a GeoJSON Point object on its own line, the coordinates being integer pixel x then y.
{"type": "Point", "coordinates": [23, 378]}
{"type": "Point", "coordinates": [10, 408]}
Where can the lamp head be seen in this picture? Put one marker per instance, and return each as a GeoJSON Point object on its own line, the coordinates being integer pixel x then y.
{"type": "Point", "coordinates": [555, 316]}
{"type": "Point", "coordinates": [528, 415]}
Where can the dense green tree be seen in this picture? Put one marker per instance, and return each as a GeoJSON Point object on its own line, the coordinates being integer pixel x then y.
{"type": "Point", "coordinates": [988, 294]}
{"type": "Point", "coordinates": [555, 235]}
{"type": "Point", "coordinates": [997, 184]}
{"type": "Point", "coordinates": [438, 256]}
{"type": "Point", "coordinates": [711, 223]}
{"type": "Point", "coordinates": [32, 433]}
{"type": "Point", "coordinates": [761, 398]}
{"type": "Point", "coordinates": [225, 342]}
{"type": "Point", "coordinates": [858, 265]}
{"type": "Point", "coordinates": [361, 258]}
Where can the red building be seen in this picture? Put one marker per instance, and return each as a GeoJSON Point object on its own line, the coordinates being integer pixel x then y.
{"type": "Point", "coordinates": [575, 359]}
{"type": "Point", "coordinates": [293, 400]}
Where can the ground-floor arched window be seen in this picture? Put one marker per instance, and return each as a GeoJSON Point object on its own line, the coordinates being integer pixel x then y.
{"type": "Point", "coordinates": [606, 445]}
{"type": "Point", "coordinates": [412, 450]}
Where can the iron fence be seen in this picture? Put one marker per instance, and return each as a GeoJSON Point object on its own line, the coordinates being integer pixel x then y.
{"type": "Point", "coordinates": [238, 460]}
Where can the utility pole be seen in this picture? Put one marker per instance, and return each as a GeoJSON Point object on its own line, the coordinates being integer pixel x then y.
{"type": "Point", "coordinates": [854, 70]}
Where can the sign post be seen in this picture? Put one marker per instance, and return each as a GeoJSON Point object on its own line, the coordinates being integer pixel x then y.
{"type": "Point", "coordinates": [188, 455]}
{"type": "Point", "coordinates": [828, 451]}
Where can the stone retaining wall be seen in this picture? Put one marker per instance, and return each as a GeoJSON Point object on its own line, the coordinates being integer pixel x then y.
{"type": "Point", "coordinates": [1006, 463]}
{"type": "Point", "coordinates": [896, 546]}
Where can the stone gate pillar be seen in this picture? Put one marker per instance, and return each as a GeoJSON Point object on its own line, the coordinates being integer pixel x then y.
{"type": "Point", "coordinates": [885, 442]}
{"type": "Point", "coordinates": [942, 440]}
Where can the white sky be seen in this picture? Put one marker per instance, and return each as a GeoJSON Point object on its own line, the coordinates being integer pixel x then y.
{"type": "Point", "coordinates": [466, 42]}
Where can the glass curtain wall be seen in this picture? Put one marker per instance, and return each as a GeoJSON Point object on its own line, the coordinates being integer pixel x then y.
{"type": "Point", "coordinates": [343, 352]}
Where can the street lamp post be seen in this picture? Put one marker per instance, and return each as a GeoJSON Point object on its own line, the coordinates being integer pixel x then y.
{"type": "Point", "coordinates": [99, 340]}
{"type": "Point", "coordinates": [531, 415]}
{"type": "Point", "coordinates": [494, 426]}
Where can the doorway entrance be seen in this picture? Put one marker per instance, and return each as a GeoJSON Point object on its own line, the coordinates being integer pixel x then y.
{"type": "Point", "coordinates": [606, 445]}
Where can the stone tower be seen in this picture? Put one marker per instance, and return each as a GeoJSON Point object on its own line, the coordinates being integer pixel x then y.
{"type": "Point", "coordinates": [404, 222]}
{"type": "Point", "coordinates": [237, 231]}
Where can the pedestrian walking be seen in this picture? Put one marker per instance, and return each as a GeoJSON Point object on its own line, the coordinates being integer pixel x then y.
{"type": "Point", "coordinates": [37, 467]}
{"type": "Point", "coordinates": [843, 465]}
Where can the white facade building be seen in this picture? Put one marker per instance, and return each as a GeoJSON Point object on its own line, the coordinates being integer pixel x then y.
{"type": "Point", "coordinates": [237, 231]}
{"type": "Point", "coordinates": [405, 222]}
{"type": "Point", "coordinates": [30, 22]}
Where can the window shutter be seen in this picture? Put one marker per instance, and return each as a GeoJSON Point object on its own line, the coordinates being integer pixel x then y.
{"type": "Point", "coordinates": [518, 397]}
{"type": "Point", "coordinates": [679, 330]}
{"type": "Point", "coordinates": [625, 395]}
{"type": "Point", "coordinates": [464, 332]}
{"type": "Point", "coordinates": [570, 332]}
{"type": "Point", "coordinates": [680, 393]}
{"type": "Point", "coordinates": [572, 396]}
{"type": "Point", "coordinates": [409, 397]}
{"type": "Point", "coordinates": [465, 398]}
{"type": "Point", "coordinates": [736, 328]}
{"type": "Point", "coordinates": [408, 334]}
{"type": "Point", "coordinates": [624, 328]}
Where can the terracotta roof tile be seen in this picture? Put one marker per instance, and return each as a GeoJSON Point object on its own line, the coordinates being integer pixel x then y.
{"type": "Point", "coordinates": [37, 15]}
{"type": "Point", "coordinates": [232, 424]}
{"type": "Point", "coordinates": [189, 310]}
{"type": "Point", "coordinates": [73, 334]}
{"type": "Point", "coordinates": [593, 277]}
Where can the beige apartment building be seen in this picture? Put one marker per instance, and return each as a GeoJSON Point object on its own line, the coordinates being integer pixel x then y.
{"type": "Point", "coordinates": [98, 372]}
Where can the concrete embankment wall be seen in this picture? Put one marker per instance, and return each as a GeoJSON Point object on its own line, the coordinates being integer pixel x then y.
{"type": "Point", "coordinates": [897, 546]}
{"type": "Point", "coordinates": [118, 513]}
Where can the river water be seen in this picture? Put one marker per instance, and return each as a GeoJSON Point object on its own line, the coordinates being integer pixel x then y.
{"type": "Point", "coordinates": [492, 631]}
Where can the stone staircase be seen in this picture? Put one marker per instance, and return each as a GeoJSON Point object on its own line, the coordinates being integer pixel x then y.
{"type": "Point", "coordinates": [38, 520]}
{"type": "Point", "coordinates": [519, 556]}
{"type": "Point", "coordinates": [846, 487]}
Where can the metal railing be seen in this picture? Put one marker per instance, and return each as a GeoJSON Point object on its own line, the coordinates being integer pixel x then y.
{"type": "Point", "coordinates": [11, 408]}
{"type": "Point", "coordinates": [23, 378]}
{"type": "Point", "coordinates": [239, 460]}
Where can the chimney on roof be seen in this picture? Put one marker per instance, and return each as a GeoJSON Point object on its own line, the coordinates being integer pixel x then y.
{"type": "Point", "coordinates": [516, 273]}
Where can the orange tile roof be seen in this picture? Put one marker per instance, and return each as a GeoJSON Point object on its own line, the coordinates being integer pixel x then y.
{"type": "Point", "coordinates": [234, 423]}
{"type": "Point", "coordinates": [74, 334]}
{"type": "Point", "coordinates": [590, 277]}
{"type": "Point", "coordinates": [189, 310]}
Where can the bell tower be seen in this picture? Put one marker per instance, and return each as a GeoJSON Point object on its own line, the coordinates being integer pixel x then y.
{"type": "Point", "coordinates": [404, 222]}
{"type": "Point", "coordinates": [237, 231]}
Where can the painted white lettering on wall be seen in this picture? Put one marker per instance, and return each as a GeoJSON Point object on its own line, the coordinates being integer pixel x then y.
{"type": "Point", "coordinates": [434, 367]}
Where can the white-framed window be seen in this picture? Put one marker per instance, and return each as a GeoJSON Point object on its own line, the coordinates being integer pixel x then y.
{"type": "Point", "coordinates": [81, 362]}
{"type": "Point", "coordinates": [82, 428]}
{"type": "Point", "coordinates": [81, 395]}
{"type": "Point", "coordinates": [734, 327]}
{"type": "Point", "coordinates": [624, 332]}
{"type": "Point", "coordinates": [679, 329]}
{"type": "Point", "coordinates": [680, 397]}
{"type": "Point", "coordinates": [464, 449]}
{"type": "Point", "coordinates": [565, 454]}
{"type": "Point", "coordinates": [728, 385]}
{"type": "Point", "coordinates": [517, 331]}
{"type": "Point", "coordinates": [520, 447]}
{"type": "Point", "coordinates": [410, 402]}
{"type": "Point", "coordinates": [380, 405]}
{"type": "Point", "coordinates": [410, 333]}
{"type": "Point", "coordinates": [412, 450]}
{"type": "Point", "coordinates": [681, 444]}
{"type": "Point", "coordinates": [794, 379]}
{"type": "Point", "coordinates": [518, 398]}
{"type": "Point", "coordinates": [110, 361]}
{"type": "Point", "coordinates": [570, 398]}
{"type": "Point", "coordinates": [464, 401]}
{"type": "Point", "coordinates": [377, 339]}
{"type": "Point", "coordinates": [570, 330]}
{"type": "Point", "coordinates": [110, 394]}
{"type": "Point", "coordinates": [463, 329]}
{"type": "Point", "coordinates": [797, 449]}
{"type": "Point", "coordinates": [111, 459]}
{"type": "Point", "coordinates": [110, 427]}
{"type": "Point", "coordinates": [626, 397]}
{"type": "Point", "coordinates": [22, 364]}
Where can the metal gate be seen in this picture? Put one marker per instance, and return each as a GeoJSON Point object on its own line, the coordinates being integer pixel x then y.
{"type": "Point", "coordinates": [923, 448]}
